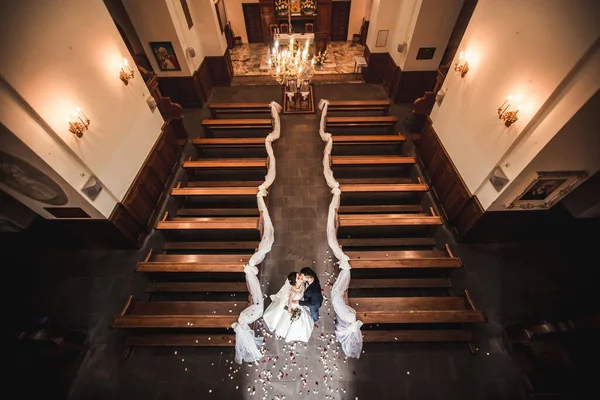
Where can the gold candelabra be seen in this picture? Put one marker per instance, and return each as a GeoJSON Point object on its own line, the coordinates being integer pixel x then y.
{"type": "Point", "coordinates": [287, 64]}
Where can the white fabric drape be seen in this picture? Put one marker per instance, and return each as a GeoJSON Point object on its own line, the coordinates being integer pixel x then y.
{"type": "Point", "coordinates": [347, 328]}
{"type": "Point", "coordinates": [247, 346]}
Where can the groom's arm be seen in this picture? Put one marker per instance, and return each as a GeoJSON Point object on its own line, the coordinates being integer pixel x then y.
{"type": "Point", "coordinates": [309, 300]}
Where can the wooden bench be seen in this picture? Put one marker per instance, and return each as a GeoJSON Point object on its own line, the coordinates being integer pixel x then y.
{"type": "Point", "coordinates": [417, 310]}
{"type": "Point", "coordinates": [387, 242]}
{"type": "Point", "coordinates": [362, 121]}
{"type": "Point", "coordinates": [232, 163]}
{"type": "Point", "coordinates": [370, 160]}
{"type": "Point", "coordinates": [369, 259]}
{"type": "Point", "coordinates": [381, 208]}
{"type": "Point", "coordinates": [239, 108]}
{"type": "Point", "coordinates": [417, 335]}
{"type": "Point", "coordinates": [228, 142]}
{"type": "Point", "coordinates": [178, 314]}
{"type": "Point", "coordinates": [253, 123]}
{"type": "Point", "coordinates": [178, 263]}
{"type": "Point", "coordinates": [216, 212]}
{"type": "Point", "coordinates": [196, 287]}
{"type": "Point", "coordinates": [359, 105]}
{"type": "Point", "coordinates": [179, 340]}
{"type": "Point", "coordinates": [402, 283]}
{"type": "Point", "coordinates": [213, 191]}
{"type": "Point", "coordinates": [196, 246]}
{"type": "Point", "coordinates": [207, 223]}
{"type": "Point", "coordinates": [255, 184]}
{"type": "Point", "coordinates": [384, 187]}
{"type": "Point", "coordinates": [414, 219]}
{"type": "Point", "coordinates": [372, 139]}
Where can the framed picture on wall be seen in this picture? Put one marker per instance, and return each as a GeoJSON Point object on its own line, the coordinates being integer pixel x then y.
{"type": "Point", "coordinates": [545, 189]}
{"type": "Point", "coordinates": [165, 56]}
{"type": "Point", "coordinates": [381, 38]}
{"type": "Point", "coordinates": [221, 15]}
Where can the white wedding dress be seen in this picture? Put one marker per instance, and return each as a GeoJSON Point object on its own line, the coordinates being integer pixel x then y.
{"type": "Point", "coordinates": [277, 318]}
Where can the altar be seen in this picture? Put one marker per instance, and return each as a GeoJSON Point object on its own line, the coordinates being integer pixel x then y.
{"type": "Point", "coordinates": [301, 38]}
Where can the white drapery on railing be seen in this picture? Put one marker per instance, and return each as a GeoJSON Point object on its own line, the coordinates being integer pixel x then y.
{"type": "Point", "coordinates": [246, 343]}
{"type": "Point", "coordinates": [347, 329]}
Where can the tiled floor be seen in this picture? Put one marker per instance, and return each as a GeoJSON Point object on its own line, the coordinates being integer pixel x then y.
{"type": "Point", "coordinates": [83, 289]}
{"type": "Point", "coordinates": [251, 59]}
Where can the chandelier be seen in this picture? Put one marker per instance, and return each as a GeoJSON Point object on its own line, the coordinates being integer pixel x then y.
{"type": "Point", "coordinates": [290, 64]}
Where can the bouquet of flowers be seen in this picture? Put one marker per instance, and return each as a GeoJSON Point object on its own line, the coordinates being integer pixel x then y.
{"type": "Point", "coordinates": [321, 57]}
{"type": "Point", "coordinates": [296, 312]}
{"type": "Point", "coordinates": [308, 6]}
{"type": "Point", "coordinates": [281, 6]}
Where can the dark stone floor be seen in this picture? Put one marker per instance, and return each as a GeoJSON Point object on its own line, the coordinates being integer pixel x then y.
{"type": "Point", "coordinates": [83, 289]}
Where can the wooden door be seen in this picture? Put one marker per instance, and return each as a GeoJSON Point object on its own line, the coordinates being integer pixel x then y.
{"type": "Point", "coordinates": [253, 22]}
{"type": "Point", "coordinates": [340, 17]}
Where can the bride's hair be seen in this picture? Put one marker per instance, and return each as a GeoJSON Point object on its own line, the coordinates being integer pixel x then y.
{"type": "Point", "coordinates": [292, 278]}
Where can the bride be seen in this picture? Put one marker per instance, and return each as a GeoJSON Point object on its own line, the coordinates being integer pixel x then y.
{"type": "Point", "coordinates": [279, 314]}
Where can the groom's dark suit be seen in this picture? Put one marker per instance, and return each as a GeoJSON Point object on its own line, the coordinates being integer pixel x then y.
{"type": "Point", "coordinates": [313, 298]}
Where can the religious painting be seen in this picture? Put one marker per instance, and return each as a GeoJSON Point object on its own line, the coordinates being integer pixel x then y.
{"type": "Point", "coordinates": [425, 53]}
{"type": "Point", "coordinates": [165, 56]}
{"type": "Point", "coordinates": [29, 181]}
{"type": "Point", "coordinates": [544, 189]}
{"type": "Point", "coordinates": [295, 6]}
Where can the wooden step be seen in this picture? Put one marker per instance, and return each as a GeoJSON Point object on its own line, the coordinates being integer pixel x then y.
{"type": "Point", "coordinates": [384, 187]}
{"type": "Point", "coordinates": [404, 259]}
{"type": "Point", "coordinates": [196, 287]}
{"type": "Point", "coordinates": [191, 212]}
{"type": "Point", "coordinates": [181, 340]}
{"type": "Point", "coordinates": [439, 335]}
{"type": "Point", "coordinates": [249, 245]}
{"type": "Point", "coordinates": [371, 160]}
{"type": "Point", "coordinates": [226, 163]}
{"type": "Point", "coordinates": [343, 181]}
{"type": "Point", "coordinates": [400, 283]}
{"type": "Point", "coordinates": [228, 142]}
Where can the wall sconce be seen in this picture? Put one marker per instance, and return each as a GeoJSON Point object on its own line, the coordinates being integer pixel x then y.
{"type": "Point", "coordinates": [509, 117]}
{"type": "Point", "coordinates": [78, 127]}
{"type": "Point", "coordinates": [126, 73]}
{"type": "Point", "coordinates": [464, 68]}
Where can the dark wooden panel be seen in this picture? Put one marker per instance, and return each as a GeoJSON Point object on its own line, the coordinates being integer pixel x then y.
{"type": "Point", "coordinates": [382, 69]}
{"type": "Point", "coordinates": [203, 83]}
{"type": "Point", "coordinates": [221, 69]}
{"type": "Point", "coordinates": [340, 16]}
{"type": "Point", "coordinates": [181, 90]}
{"type": "Point", "coordinates": [445, 179]}
{"type": "Point", "coordinates": [413, 84]}
{"type": "Point", "coordinates": [324, 16]}
{"type": "Point", "coordinates": [267, 17]}
{"type": "Point", "coordinates": [253, 22]}
{"type": "Point", "coordinates": [468, 216]}
{"type": "Point", "coordinates": [127, 225]}
{"type": "Point", "coordinates": [67, 212]}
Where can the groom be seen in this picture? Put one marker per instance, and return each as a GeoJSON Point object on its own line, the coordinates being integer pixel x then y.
{"type": "Point", "coordinates": [313, 298]}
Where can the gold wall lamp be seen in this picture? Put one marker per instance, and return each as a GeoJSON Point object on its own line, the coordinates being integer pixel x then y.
{"type": "Point", "coordinates": [464, 67]}
{"type": "Point", "coordinates": [81, 125]}
{"type": "Point", "coordinates": [126, 73]}
{"type": "Point", "coordinates": [509, 117]}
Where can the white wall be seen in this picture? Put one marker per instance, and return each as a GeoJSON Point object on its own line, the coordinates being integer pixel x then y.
{"type": "Point", "coordinates": [576, 147]}
{"type": "Point", "coordinates": [433, 28]}
{"type": "Point", "coordinates": [526, 49]}
{"type": "Point", "coordinates": [153, 23]}
{"type": "Point", "coordinates": [188, 37]}
{"type": "Point", "coordinates": [384, 16]}
{"type": "Point", "coordinates": [68, 53]}
{"type": "Point", "coordinates": [11, 145]}
{"type": "Point", "coordinates": [206, 25]}
{"type": "Point", "coordinates": [406, 21]}
{"type": "Point", "coordinates": [235, 14]}
{"type": "Point", "coordinates": [358, 11]}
